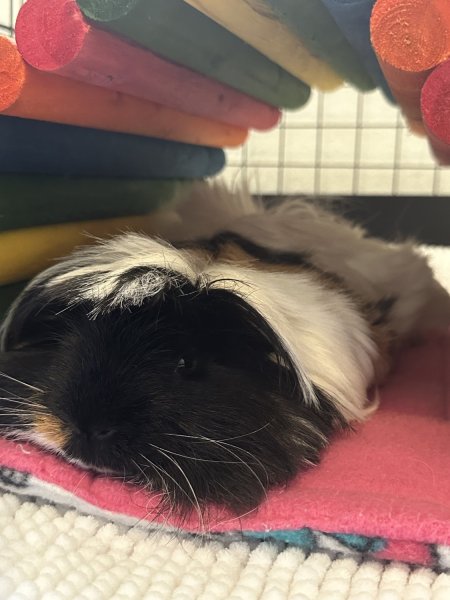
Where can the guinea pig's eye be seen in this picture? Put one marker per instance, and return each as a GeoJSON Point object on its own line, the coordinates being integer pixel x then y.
{"type": "Point", "coordinates": [188, 365]}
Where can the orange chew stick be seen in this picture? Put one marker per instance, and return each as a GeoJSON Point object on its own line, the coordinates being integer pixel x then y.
{"type": "Point", "coordinates": [410, 38]}
{"type": "Point", "coordinates": [28, 93]}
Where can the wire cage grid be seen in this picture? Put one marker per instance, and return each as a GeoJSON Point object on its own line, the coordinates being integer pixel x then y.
{"type": "Point", "coordinates": [341, 143]}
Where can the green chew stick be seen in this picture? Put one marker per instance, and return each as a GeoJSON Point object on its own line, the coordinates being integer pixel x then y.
{"type": "Point", "coordinates": [180, 33]}
{"type": "Point", "coordinates": [34, 200]}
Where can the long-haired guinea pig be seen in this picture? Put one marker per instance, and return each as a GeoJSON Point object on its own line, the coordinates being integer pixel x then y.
{"type": "Point", "coordinates": [216, 365]}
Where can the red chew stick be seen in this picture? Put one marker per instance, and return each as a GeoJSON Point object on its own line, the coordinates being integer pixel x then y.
{"type": "Point", "coordinates": [53, 36]}
{"type": "Point", "coordinates": [436, 112]}
{"type": "Point", "coordinates": [410, 38]}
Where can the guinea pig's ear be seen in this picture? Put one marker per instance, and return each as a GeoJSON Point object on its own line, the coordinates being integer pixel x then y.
{"type": "Point", "coordinates": [238, 328]}
{"type": "Point", "coordinates": [32, 318]}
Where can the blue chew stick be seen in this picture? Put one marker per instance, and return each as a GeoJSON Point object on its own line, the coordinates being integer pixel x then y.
{"type": "Point", "coordinates": [353, 19]}
{"type": "Point", "coordinates": [38, 147]}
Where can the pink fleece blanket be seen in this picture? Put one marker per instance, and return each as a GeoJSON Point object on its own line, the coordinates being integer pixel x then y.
{"type": "Point", "coordinates": [383, 490]}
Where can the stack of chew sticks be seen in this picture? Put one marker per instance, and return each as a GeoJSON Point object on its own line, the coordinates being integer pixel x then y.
{"type": "Point", "coordinates": [400, 46]}
{"type": "Point", "coordinates": [108, 110]}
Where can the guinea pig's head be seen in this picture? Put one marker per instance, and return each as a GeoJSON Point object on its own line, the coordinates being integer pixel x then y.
{"type": "Point", "coordinates": [129, 363]}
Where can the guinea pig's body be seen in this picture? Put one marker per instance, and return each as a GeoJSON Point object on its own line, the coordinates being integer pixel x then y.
{"type": "Point", "coordinates": [216, 366]}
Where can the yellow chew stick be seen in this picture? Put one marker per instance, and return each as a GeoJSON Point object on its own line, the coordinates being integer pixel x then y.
{"type": "Point", "coordinates": [25, 252]}
{"type": "Point", "coordinates": [254, 22]}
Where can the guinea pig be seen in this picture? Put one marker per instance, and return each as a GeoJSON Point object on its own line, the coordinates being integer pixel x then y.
{"type": "Point", "coordinates": [215, 362]}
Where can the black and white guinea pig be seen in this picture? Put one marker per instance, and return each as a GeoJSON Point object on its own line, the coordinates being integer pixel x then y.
{"type": "Point", "coordinates": [216, 365]}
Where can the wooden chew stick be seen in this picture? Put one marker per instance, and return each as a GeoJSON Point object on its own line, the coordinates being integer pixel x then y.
{"type": "Point", "coordinates": [255, 23]}
{"type": "Point", "coordinates": [28, 93]}
{"type": "Point", "coordinates": [177, 32]}
{"type": "Point", "coordinates": [52, 35]}
{"type": "Point", "coordinates": [25, 252]}
{"type": "Point", "coordinates": [410, 38]}
{"type": "Point", "coordinates": [436, 112]}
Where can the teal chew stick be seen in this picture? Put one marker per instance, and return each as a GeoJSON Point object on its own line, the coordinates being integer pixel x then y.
{"type": "Point", "coordinates": [34, 200]}
{"type": "Point", "coordinates": [180, 33]}
{"type": "Point", "coordinates": [315, 26]}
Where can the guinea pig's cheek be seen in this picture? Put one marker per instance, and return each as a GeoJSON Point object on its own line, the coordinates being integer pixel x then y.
{"type": "Point", "coordinates": [49, 432]}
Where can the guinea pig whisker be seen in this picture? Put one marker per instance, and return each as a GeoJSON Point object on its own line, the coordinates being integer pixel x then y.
{"type": "Point", "coordinates": [207, 460]}
{"type": "Point", "coordinates": [147, 483]}
{"type": "Point", "coordinates": [183, 435]}
{"type": "Point", "coordinates": [195, 503]}
{"type": "Point", "coordinates": [159, 470]}
{"type": "Point", "coordinates": [31, 387]}
{"type": "Point", "coordinates": [193, 500]}
{"type": "Point", "coordinates": [4, 410]}
{"type": "Point", "coordinates": [16, 397]}
{"type": "Point", "coordinates": [8, 391]}
{"type": "Point", "coordinates": [13, 394]}
{"type": "Point", "coordinates": [11, 411]}
{"type": "Point", "coordinates": [82, 478]}
{"type": "Point", "coordinates": [223, 445]}
{"type": "Point", "coordinates": [25, 409]}
{"type": "Point", "coordinates": [226, 446]}
{"type": "Point", "coordinates": [244, 435]}
{"type": "Point", "coordinates": [20, 403]}
{"type": "Point", "coordinates": [163, 495]}
{"type": "Point", "coordinates": [235, 437]}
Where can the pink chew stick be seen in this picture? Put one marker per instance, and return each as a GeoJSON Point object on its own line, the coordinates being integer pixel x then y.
{"type": "Point", "coordinates": [52, 35]}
